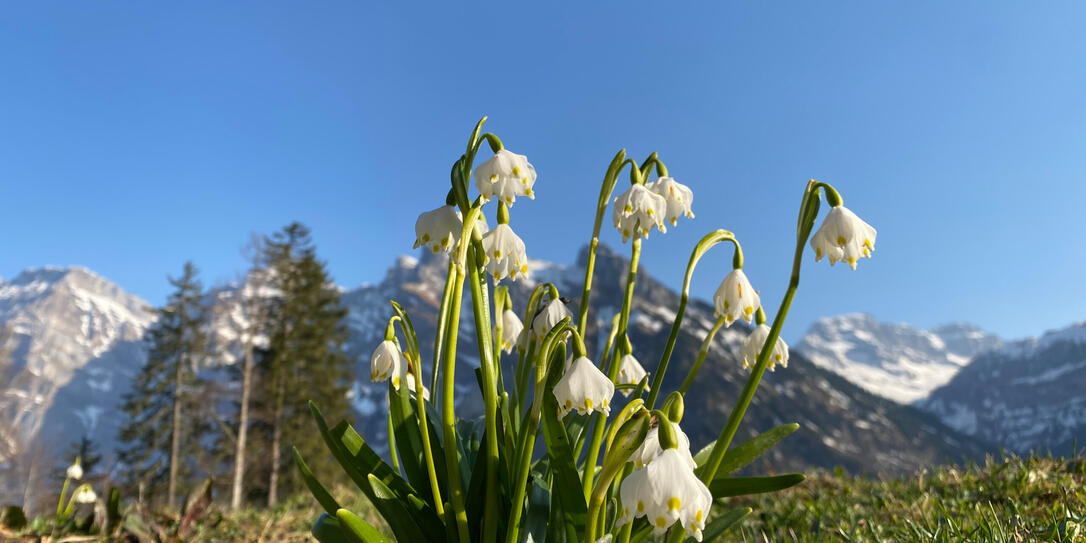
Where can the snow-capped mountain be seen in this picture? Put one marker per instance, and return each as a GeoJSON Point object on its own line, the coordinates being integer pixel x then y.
{"type": "Point", "coordinates": [895, 361]}
{"type": "Point", "coordinates": [1026, 396]}
{"type": "Point", "coordinates": [77, 344]}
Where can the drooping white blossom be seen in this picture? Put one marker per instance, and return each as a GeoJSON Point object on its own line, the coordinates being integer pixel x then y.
{"type": "Point", "coordinates": [511, 329]}
{"type": "Point", "coordinates": [650, 448]}
{"type": "Point", "coordinates": [753, 346]}
{"type": "Point", "coordinates": [411, 386]}
{"type": "Point", "coordinates": [630, 372]}
{"type": "Point", "coordinates": [548, 317]}
{"type": "Point", "coordinates": [843, 236]}
{"type": "Point", "coordinates": [505, 256]}
{"type": "Point", "coordinates": [679, 198]}
{"type": "Point", "coordinates": [584, 388]}
{"type": "Point", "coordinates": [735, 299]}
{"type": "Point", "coordinates": [666, 491]}
{"type": "Point", "coordinates": [505, 176]}
{"type": "Point", "coordinates": [637, 210]}
{"type": "Point", "coordinates": [75, 472]}
{"type": "Point", "coordinates": [387, 363]}
{"type": "Point", "coordinates": [439, 229]}
{"type": "Point", "coordinates": [85, 494]}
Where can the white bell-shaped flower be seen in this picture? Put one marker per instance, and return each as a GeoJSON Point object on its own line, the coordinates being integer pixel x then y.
{"type": "Point", "coordinates": [75, 472]}
{"type": "Point", "coordinates": [666, 491]}
{"type": "Point", "coordinates": [548, 317]}
{"type": "Point", "coordinates": [85, 494]}
{"type": "Point", "coordinates": [679, 198]}
{"type": "Point", "coordinates": [505, 255]}
{"type": "Point", "coordinates": [505, 176]}
{"type": "Point", "coordinates": [584, 388]}
{"type": "Point", "coordinates": [638, 210]}
{"type": "Point", "coordinates": [753, 346]}
{"type": "Point", "coordinates": [735, 299]}
{"type": "Point", "coordinates": [511, 329]}
{"type": "Point", "coordinates": [410, 379]}
{"type": "Point", "coordinates": [387, 363]}
{"type": "Point", "coordinates": [439, 229]}
{"type": "Point", "coordinates": [650, 448]}
{"type": "Point", "coordinates": [630, 372]}
{"type": "Point", "coordinates": [843, 236]}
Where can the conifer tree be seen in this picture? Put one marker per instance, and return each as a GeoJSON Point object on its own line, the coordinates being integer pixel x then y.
{"type": "Point", "coordinates": [306, 359]}
{"type": "Point", "coordinates": [163, 435]}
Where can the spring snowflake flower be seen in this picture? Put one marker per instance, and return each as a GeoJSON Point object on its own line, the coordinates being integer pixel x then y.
{"type": "Point", "coordinates": [753, 346]}
{"type": "Point", "coordinates": [735, 299]}
{"type": "Point", "coordinates": [630, 372]}
{"type": "Point", "coordinates": [387, 363]}
{"type": "Point", "coordinates": [843, 236]}
{"type": "Point", "coordinates": [666, 491]}
{"type": "Point", "coordinates": [505, 255]}
{"type": "Point", "coordinates": [505, 175]}
{"type": "Point", "coordinates": [650, 448]}
{"type": "Point", "coordinates": [439, 229]}
{"type": "Point", "coordinates": [411, 386]}
{"type": "Point", "coordinates": [85, 494]}
{"type": "Point", "coordinates": [548, 317]}
{"type": "Point", "coordinates": [637, 210]}
{"type": "Point", "coordinates": [679, 198]}
{"type": "Point", "coordinates": [584, 388]}
{"type": "Point", "coordinates": [511, 330]}
{"type": "Point", "coordinates": [75, 472]}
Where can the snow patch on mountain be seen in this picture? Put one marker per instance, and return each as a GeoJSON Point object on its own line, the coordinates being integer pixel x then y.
{"type": "Point", "coordinates": [896, 361]}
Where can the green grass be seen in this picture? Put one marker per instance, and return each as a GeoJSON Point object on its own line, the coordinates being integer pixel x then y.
{"type": "Point", "coordinates": [1016, 499]}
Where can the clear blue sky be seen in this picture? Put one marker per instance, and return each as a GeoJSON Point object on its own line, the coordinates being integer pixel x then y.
{"type": "Point", "coordinates": [134, 136]}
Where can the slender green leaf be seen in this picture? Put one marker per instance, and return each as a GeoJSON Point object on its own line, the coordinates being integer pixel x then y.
{"type": "Point", "coordinates": [742, 486]}
{"type": "Point", "coordinates": [566, 480]}
{"type": "Point", "coordinates": [398, 513]}
{"type": "Point", "coordinates": [408, 438]}
{"type": "Point", "coordinates": [354, 529]}
{"type": "Point", "coordinates": [742, 455]}
{"type": "Point", "coordinates": [323, 497]}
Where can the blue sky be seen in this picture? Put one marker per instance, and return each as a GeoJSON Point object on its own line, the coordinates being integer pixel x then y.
{"type": "Point", "coordinates": [135, 136]}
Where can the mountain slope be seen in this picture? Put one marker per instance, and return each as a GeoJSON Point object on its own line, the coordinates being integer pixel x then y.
{"type": "Point", "coordinates": [895, 361]}
{"type": "Point", "coordinates": [1026, 396]}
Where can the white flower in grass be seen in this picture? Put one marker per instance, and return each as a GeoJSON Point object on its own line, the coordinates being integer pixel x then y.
{"type": "Point", "coordinates": [387, 363]}
{"type": "Point", "coordinates": [548, 317]}
{"type": "Point", "coordinates": [637, 210]}
{"type": "Point", "coordinates": [584, 388]}
{"type": "Point", "coordinates": [753, 346]}
{"type": "Point", "coordinates": [679, 198]}
{"type": "Point", "coordinates": [439, 229]}
{"type": "Point", "coordinates": [630, 372]}
{"type": "Point", "coordinates": [511, 329]}
{"type": "Point", "coordinates": [75, 471]}
{"type": "Point", "coordinates": [505, 176]}
{"type": "Point", "coordinates": [505, 255]}
{"type": "Point", "coordinates": [85, 494]}
{"type": "Point", "coordinates": [650, 448]}
{"type": "Point", "coordinates": [843, 236]}
{"type": "Point", "coordinates": [735, 299]}
{"type": "Point", "coordinates": [666, 491]}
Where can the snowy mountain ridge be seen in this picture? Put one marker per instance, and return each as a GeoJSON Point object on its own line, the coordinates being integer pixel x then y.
{"type": "Point", "coordinates": [896, 361]}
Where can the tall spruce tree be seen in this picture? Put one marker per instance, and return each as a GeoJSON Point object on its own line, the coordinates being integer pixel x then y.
{"type": "Point", "coordinates": [163, 435]}
{"type": "Point", "coordinates": [306, 359]}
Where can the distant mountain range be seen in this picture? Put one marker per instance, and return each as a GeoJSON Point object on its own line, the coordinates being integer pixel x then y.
{"type": "Point", "coordinates": [75, 340]}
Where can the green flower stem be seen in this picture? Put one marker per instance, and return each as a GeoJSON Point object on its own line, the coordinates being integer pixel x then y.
{"type": "Point", "coordinates": [808, 211]}
{"type": "Point", "coordinates": [702, 353]}
{"type": "Point", "coordinates": [392, 440]}
{"type": "Point", "coordinates": [428, 452]}
{"type": "Point", "coordinates": [608, 188]}
{"type": "Point", "coordinates": [452, 461]}
{"type": "Point", "coordinates": [60, 502]}
{"type": "Point", "coordinates": [703, 246]}
{"type": "Point", "coordinates": [481, 311]}
{"type": "Point", "coordinates": [442, 319]}
{"type": "Point", "coordinates": [628, 438]}
{"type": "Point", "coordinates": [612, 370]}
{"type": "Point", "coordinates": [526, 443]}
